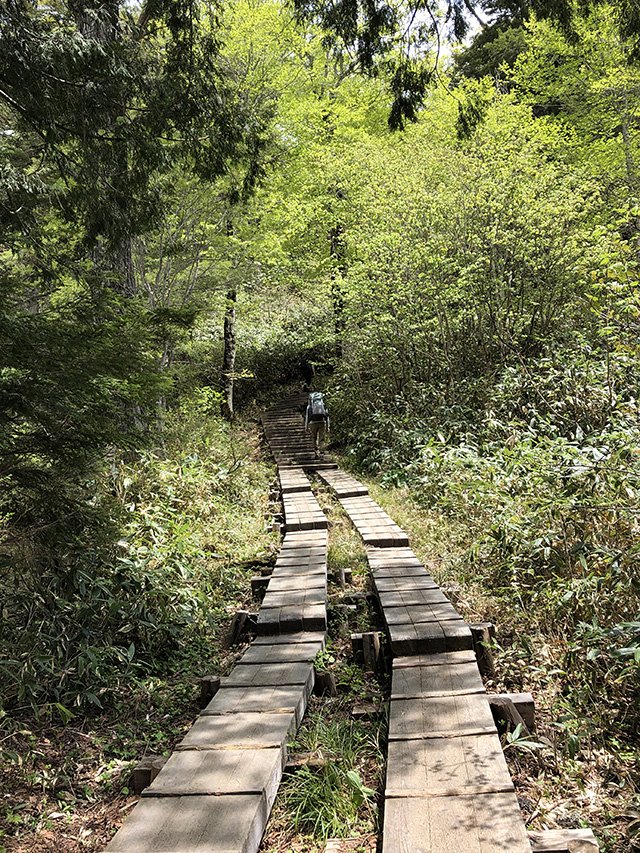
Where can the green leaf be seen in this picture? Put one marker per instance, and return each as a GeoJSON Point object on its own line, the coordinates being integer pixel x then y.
{"type": "Point", "coordinates": [65, 714]}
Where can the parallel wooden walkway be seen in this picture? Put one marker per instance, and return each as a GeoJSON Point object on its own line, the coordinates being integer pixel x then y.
{"type": "Point", "coordinates": [448, 787]}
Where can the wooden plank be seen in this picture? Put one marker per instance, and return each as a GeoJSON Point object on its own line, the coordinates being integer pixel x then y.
{"type": "Point", "coordinates": [280, 620]}
{"type": "Point", "coordinates": [444, 659]}
{"type": "Point", "coordinates": [288, 583]}
{"type": "Point", "coordinates": [400, 556]}
{"type": "Point", "coordinates": [257, 730]}
{"type": "Point", "coordinates": [396, 570]}
{"type": "Point", "coordinates": [426, 681]}
{"type": "Point", "coordinates": [316, 539]}
{"type": "Point", "coordinates": [284, 700]}
{"type": "Point", "coordinates": [381, 540]}
{"type": "Point", "coordinates": [305, 548]}
{"type": "Point", "coordinates": [292, 618]}
{"type": "Point", "coordinates": [438, 767]}
{"type": "Point", "coordinates": [563, 841]}
{"type": "Point", "coordinates": [269, 674]}
{"type": "Point", "coordinates": [316, 571]}
{"type": "Point", "coordinates": [314, 617]}
{"type": "Point", "coordinates": [220, 771]}
{"type": "Point", "coordinates": [315, 595]}
{"type": "Point", "coordinates": [482, 823]}
{"type": "Point", "coordinates": [341, 481]}
{"type": "Point", "coordinates": [188, 825]}
{"type": "Point", "coordinates": [413, 597]}
{"type": "Point", "coordinates": [296, 522]}
{"type": "Point", "coordinates": [302, 557]}
{"type": "Point", "coordinates": [258, 653]}
{"type": "Point", "coordinates": [402, 582]}
{"type": "Point", "coordinates": [419, 613]}
{"type": "Point", "coordinates": [429, 638]}
{"type": "Point", "coordinates": [438, 716]}
{"type": "Point", "coordinates": [301, 637]}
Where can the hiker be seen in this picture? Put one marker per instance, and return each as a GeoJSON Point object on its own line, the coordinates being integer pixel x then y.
{"type": "Point", "coordinates": [308, 372]}
{"type": "Point", "coordinates": [316, 421]}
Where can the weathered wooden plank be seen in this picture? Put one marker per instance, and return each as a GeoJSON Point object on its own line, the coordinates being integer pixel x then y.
{"type": "Point", "coordinates": [295, 522]}
{"type": "Point", "coordinates": [316, 570]}
{"type": "Point", "coordinates": [402, 582]}
{"type": "Point", "coordinates": [315, 595]}
{"type": "Point", "coordinates": [413, 597]}
{"type": "Point", "coordinates": [220, 771]}
{"type": "Point", "coordinates": [399, 571]}
{"type": "Point", "coordinates": [418, 613]}
{"type": "Point", "coordinates": [564, 841]}
{"type": "Point", "coordinates": [188, 825]}
{"type": "Point", "coordinates": [280, 620]}
{"type": "Point", "coordinates": [443, 659]}
{"type": "Point", "coordinates": [381, 540]}
{"type": "Point", "coordinates": [293, 480]}
{"type": "Point", "coordinates": [426, 681]}
{"type": "Point", "coordinates": [416, 718]}
{"type": "Point", "coordinates": [343, 485]}
{"type": "Point", "coordinates": [314, 617]}
{"type": "Point", "coordinates": [269, 674]}
{"type": "Point", "coordinates": [257, 730]}
{"type": "Point", "coordinates": [288, 583]}
{"type": "Point", "coordinates": [286, 639]}
{"type": "Point", "coordinates": [379, 558]}
{"type": "Point", "coordinates": [297, 540]}
{"type": "Point", "coordinates": [284, 700]}
{"type": "Point", "coordinates": [303, 553]}
{"type": "Point", "coordinates": [302, 557]}
{"type": "Point", "coordinates": [292, 618]}
{"type": "Point", "coordinates": [481, 823]}
{"type": "Point", "coordinates": [259, 653]}
{"type": "Point", "coordinates": [429, 638]}
{"type": "Point", "coordinates": [438, 767]}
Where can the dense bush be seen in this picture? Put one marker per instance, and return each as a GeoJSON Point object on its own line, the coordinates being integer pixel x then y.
{"type": "Point", "coordinates": [75, 626]}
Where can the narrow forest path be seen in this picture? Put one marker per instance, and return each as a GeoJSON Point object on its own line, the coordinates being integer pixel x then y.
{"type": "Point", "coordinates": [447, 786]}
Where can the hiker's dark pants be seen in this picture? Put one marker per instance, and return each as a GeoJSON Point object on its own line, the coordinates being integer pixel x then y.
{"type": "Point", "coordinates": [317, 430]}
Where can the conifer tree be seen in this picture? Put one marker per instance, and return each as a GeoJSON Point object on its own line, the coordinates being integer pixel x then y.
{"type": "Point", "coordinates": [98, 101]}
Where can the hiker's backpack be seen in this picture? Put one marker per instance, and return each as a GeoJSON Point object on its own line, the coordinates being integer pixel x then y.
{"type": "Point", "coordinates": [317, 406]}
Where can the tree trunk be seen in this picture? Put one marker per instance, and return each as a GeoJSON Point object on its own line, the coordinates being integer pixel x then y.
{"type": "Point", "coordinates": [229, 357]}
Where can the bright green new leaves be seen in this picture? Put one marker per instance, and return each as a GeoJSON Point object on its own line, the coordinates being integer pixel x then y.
{"type": "Point", "coordinates": [462, 257]}
{"type": "Point", "coordinates": [589, 87]}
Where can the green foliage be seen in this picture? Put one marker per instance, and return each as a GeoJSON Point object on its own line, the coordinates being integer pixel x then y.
{"type": "Point", "coordinates": [67, 387]}
{"type": "Point", "coordinates": [586, 84]}
{"type": "Point", "coordinates": [77, 628]}
{"type": "Point", "coordinates": [332, 800]}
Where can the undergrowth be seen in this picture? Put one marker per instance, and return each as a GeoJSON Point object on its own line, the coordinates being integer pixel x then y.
{"type": "Point", "coordinates": [338, 792]}
{"type": "Point", "coordinates": [523, 498]}
{"type": "Point", "coordinates": [79, 626]}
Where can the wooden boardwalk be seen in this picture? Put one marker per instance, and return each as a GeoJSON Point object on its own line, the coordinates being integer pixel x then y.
{"type": "Point", "coordinates": [215, 792]}
{"type": "Point", "coordinates": [448, 787]}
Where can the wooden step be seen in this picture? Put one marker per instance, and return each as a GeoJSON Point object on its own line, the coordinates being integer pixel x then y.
{"type": "Point", "coordinates": [429, 637]}
{"type": "Point", "coordinates": [472, 823]}
{"type": "Point", "coordinates": [440, 717]}
{"type": "Point", "coordinates": [279, 700]}
{"type": "Point", "coordinates": [447, 767]}
{"type": "Point", "coordinates": [188, 824]}
{"type": "Point", "coordinates": [254, 729]}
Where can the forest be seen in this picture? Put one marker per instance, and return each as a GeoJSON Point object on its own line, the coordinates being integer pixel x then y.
{"type": "Point", "coordinates": [437, 206]}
